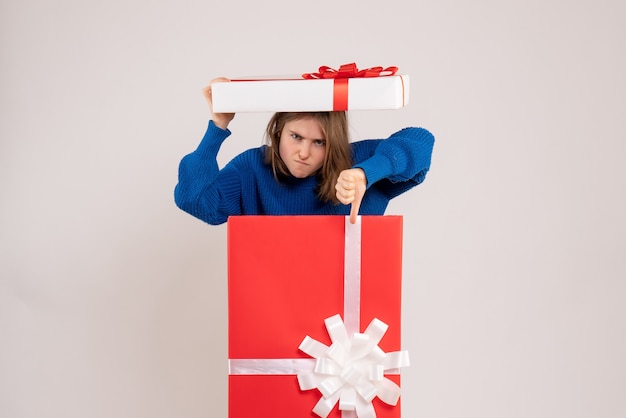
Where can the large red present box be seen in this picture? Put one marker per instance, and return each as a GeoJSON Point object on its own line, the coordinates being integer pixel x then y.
{"type": "Point", "coordinates": [286, 286]}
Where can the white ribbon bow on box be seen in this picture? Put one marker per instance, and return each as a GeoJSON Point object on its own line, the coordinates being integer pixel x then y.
{"type": "Point", "coordinates": [351, 370]}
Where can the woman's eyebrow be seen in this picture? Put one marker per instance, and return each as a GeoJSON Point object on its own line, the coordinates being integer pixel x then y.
{"type": "Point", "coordinates": [291, 131]}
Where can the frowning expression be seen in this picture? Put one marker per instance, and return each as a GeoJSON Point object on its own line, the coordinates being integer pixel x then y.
{"type": "Point", "coordinates": [302, 147]}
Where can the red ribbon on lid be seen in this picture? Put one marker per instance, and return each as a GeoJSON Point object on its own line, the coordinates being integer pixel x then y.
{"type": "Point", "coordinates": [350, 71]}
{"type": "Point", "coordinates": [341, 77]}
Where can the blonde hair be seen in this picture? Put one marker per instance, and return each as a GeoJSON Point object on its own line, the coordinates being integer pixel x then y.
{"type": "Point", "coordinates": [338, 156]}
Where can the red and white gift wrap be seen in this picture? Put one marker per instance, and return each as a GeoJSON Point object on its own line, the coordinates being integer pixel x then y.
{"type": "Point", "coordinates": [327, 90]}
{"type": "Point", "coordinates": [291, 279]}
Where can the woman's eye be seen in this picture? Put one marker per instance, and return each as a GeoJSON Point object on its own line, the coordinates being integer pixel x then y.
{"type": "Point", "coordinates": [296, 136]}
{"type": "Point", "coordinates": [320, 142]}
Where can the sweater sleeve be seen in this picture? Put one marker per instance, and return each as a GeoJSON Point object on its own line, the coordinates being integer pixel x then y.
{"type": "Point", "coordinates": [202, 186]}
{"type": "Point", "coordinates": [402, 160]}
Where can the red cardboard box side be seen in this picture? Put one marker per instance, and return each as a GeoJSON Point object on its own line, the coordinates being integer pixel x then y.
{"type": "Point", "coordinates": [280, 397]}
{"type": "Point", "coordinates": [281, 274]}
{"type": "Point", "coordinates": [285, 278]}
{"type": "Point", "coordinates": [381, 276]}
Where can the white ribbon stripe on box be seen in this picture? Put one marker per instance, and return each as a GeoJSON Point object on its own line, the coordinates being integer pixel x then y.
{"type": "Point", "coordinates": [351, 370]}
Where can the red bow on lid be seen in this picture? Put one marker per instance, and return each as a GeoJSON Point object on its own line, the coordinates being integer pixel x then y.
{"type": "Point", "coordinates": [350, 71]}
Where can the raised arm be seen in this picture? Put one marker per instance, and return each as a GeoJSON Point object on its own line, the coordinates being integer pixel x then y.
{"type": "Point", "coordinates": [397, 164]}
{"type": "Point", "coordinates": [203, 190]}
{"type": "Point", "coordinates": [404, 157]}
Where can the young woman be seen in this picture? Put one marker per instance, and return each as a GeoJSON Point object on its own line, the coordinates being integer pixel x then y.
{"type": "Point", "coordinates": [307, 167]}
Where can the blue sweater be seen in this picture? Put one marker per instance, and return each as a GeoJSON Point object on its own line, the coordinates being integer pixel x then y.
{"type": "Point", "coordinates": [246, 185]}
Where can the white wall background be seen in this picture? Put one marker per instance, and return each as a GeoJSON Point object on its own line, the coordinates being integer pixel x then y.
{"type": "Point", "coordinates": [113, 302]}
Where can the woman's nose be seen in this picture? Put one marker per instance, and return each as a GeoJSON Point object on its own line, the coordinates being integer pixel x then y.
{"type": "Point", "coordinates": [304, 150]}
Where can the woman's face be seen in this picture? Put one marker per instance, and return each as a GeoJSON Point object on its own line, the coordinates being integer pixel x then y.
{"type": "Point", "coordinates": [302, 147]}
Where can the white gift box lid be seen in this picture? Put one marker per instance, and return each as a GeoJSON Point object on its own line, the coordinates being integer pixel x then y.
{"type": "Point", "coordinates": [311, 95]}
